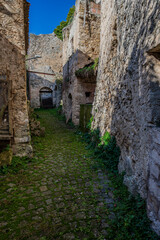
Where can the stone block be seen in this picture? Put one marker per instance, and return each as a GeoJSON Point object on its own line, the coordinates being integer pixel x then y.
{"type": "Point", "coordinates": [22, 139]}
{"type": "Point", "coordinates": [154, 170]}
{"type": "Point", "coordinates": [13, 47]}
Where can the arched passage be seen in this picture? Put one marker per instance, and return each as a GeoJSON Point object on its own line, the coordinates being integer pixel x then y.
{"type": "Point", "coordinates": [46, 98]}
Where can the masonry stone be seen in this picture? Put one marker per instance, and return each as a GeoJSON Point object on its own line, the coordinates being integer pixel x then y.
{"type": "Point", "coordinates": [80, 48]}
{"type": "Point", "coordinates": [14, 123]}
{"type": "Point", "coordinates": [126, 102]}
{"type": "Point", "coordinates": [44, 69]}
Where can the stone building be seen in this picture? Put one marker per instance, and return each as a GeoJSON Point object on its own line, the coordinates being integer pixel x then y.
{"type": "Point", "coordinates": [44, 62]}
{"type": "Point", "coordinates": [127, 97]}
{"type": "Point", "coordinates": [14, 123]}
{"type": "Point", "coordinates": [80, 48]}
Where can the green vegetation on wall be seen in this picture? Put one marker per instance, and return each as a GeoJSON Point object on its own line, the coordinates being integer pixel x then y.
{"type": "Point", "coordinates": [59, 81]}
{"type": "Point", "coordinates": [129, 219]}
{"type": "Point", "coordinates": [88, 70]}
{"type": "Point", "coordinates": [58, 29]}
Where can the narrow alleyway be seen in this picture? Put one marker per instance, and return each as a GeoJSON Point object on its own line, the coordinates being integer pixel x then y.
{"type": "Point", "coordinates": [59, 196]}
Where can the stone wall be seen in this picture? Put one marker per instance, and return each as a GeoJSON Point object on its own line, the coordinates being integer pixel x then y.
{"type": "Point", "coordinates": [44, 67]}
{"type": "Point", "coordinates": [74, 88]}
{"type": "Point", "coordinates": [80, 47]}
{"type": "Point", "coordinates": [127, 98]}
{"type": "Point", "coordinates": [84, 32]}
{"type": "Point", "coordinates": [37, 83]}
{"type": "Point", "coordinates": [12, 69]}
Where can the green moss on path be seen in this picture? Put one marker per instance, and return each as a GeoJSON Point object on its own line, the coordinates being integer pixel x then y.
{"type": "Point", "coordinates": [58, 195]}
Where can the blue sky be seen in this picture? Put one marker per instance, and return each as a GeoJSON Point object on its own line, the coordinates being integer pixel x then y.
{"type": "Point", "coordinates": [45, 15]}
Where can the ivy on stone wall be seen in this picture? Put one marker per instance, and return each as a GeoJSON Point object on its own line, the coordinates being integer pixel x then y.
{"type": "Point", "coordinates": [63, 24]}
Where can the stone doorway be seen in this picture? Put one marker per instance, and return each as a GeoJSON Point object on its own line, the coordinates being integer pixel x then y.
{"type": "Point", "coordinates": [4, 115]}
{"type": "Point", "coordinates": [46, 98]}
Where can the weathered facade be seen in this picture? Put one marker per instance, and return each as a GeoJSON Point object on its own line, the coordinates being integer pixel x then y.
{"type": "Point", "coordinates": [127, 98]}
{"type": "Point", "coordinates": [80, 48]}
{"type": "Point", "coordinates": [44, 69]}
{"type": "Point", "coordinates": [14, 123]}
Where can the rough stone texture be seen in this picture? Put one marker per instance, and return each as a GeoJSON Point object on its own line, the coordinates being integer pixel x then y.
{"type": "Point", "coordinates": [80, 47]}
{"type": "Point", "coordinates": [12, 70]}
{"type": "Point", "coordinates": [127, 93]}
{"type": "Point", "coordinates": [49, 48]}
{"type": "Point", "coordinates": [84, 31]}
{"type": "Point", "coordinates": [74, 88]}
{"type": "Point", "coordinates": [38, 82]}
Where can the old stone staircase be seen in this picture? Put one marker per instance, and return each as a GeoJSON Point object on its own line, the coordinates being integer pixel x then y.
{"type": "Point", "coordinates": [4, 128]}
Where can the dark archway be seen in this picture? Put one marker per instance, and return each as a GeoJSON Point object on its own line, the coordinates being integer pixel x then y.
{"type": "Point", "coordinates": [4, 99]}
{"type": "Point", "coordinates": [46, 98]}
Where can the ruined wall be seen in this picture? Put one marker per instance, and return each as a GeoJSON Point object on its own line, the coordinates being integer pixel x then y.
{"type": "Point", "coordinates": [74, 89]}
{"type": "Point", "coordinates": [128, 95]}
{"type": "Point", "coordinates": [39, 81]}
{"type": "Point", "coordinates": [12, 68]}
{"type": "Point", "coordinates": [49, 48]}
{"type": "Point", "coordinates": [44, 57]}
{"type": "Point", "coordinates": [80, 47]}
{"type": "Point", "coordinates": [84, 32]}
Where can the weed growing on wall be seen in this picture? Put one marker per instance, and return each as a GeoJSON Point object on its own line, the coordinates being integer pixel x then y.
{"type": "Point", "coordinates": [63, 24]}
{"type": "Point", "coordinates": [130, 221]}
{"type": "Point", "coordinates": [59, 82]}
{"type": "Point", "coordinates": [89, 70]}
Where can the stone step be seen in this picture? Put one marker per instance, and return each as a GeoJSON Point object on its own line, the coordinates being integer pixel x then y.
{"type": "Point", "coordinates": [4, 128]}
{"type": "Point", "coordinates": [5, 137]}
{"type": "Point", "coordinates": [4, 131]}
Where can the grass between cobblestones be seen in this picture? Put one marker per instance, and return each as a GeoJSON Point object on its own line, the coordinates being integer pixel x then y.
{"type": "Point", "coordinates": [58, 194]}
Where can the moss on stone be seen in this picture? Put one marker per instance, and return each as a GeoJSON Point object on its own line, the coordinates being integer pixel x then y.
{"type": "Point", "coordinates": [58, 194]}
{"type": "Point", "coordinates": [89, 71]}
{"type": "Point", "coordinates": [6, 157]}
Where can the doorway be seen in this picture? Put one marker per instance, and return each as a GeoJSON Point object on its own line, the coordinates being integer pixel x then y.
{"type": "Point", "coordinates": [4, 90]}
{"type": "Point", "coordinates": [46, 98]}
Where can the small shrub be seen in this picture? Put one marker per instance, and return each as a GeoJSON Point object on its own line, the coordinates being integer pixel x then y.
{"type": "Point", "coordinates": [95, 65]}
{"type": "Point", "coordinates": [105, 139]}
{"type": "Point", "coordinates": [89, 71]}
{"type": "Point", "coordinates": [59, 81]}
{"type": "Point", "coordinates": [63, 24]}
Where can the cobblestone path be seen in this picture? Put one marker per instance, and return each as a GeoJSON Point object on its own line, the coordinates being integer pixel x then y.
{"type": "Point", "coordinates": [59, 196]}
